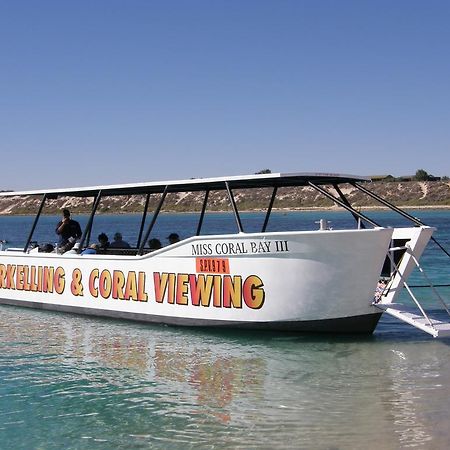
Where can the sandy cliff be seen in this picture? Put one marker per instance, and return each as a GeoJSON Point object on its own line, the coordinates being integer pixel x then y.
{"type": "Point", "coordinates": [407, 194]}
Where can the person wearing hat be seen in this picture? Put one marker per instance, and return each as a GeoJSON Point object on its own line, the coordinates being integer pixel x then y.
{"type": "Point", "coordinates": [173, 237]}
{"type": "Point", "coordinates": [119, 242]}
{"type": "Point", "coordinates": [68, 230]}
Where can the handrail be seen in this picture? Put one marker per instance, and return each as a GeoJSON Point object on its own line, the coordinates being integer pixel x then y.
{"type": "Point", "coordinates": [397, 271]}
{"type": "Point", "coordinates": [410, 252]}
{"type": "Point", "coordinates": [418, 304]}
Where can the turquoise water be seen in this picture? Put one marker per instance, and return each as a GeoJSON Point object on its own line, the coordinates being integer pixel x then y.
{"type": "Point", "coordinates": [76, 382]}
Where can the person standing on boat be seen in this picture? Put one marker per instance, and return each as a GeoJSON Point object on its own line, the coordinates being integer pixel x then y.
{"type": "Point", "coordinates": [69, 230]}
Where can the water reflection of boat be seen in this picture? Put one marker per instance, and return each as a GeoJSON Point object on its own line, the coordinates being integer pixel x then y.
{"type": "Point", "coordinates": [267, 388]}
{"type": "Point", "coordinates": [322, 281]}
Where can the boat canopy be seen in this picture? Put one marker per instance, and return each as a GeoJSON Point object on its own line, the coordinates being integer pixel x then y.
{"type": "Point", "coordinates": [228, 184]}
{"type": "Point", "coordinates": [200, 184]}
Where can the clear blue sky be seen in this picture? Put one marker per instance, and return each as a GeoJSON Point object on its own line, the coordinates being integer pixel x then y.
{"type": "Point", "coordinates": [108, 91]}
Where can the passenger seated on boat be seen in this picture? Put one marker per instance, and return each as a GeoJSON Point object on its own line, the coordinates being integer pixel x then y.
{"type": "Point", "coordinates": [154, 244]}
{"type": "Point", "coordinates": [119, 242]}
{"type": "Point", "coordinates": [46, 248]}
{"type": "Point", "coordinates": [69, 231]}
{"type": "Point", "coordinates": [173, 238]}
{"type": "Point", "coordinates": [74, 250]}
{"type": "Point", "coordinates": [103, 242]}
{"type": "Point", "coordinates": [91, 250]}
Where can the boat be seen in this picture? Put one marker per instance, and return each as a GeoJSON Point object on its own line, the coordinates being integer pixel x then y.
{"type": "Point", "coordinates": [321, 280]}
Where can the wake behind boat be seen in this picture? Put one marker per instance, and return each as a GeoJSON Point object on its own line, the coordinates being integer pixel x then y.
{"type": "Point", "coordinates": [336, 281]}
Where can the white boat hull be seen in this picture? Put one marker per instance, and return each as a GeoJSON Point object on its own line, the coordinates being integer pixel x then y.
{"type": "Point", "coordinates": [311, 281]}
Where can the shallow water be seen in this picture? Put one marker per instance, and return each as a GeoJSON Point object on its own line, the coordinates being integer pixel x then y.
{"type": "Point", "coordinates": [77, 382]}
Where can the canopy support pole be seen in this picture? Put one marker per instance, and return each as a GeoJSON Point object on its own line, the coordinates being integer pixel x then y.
{"type": "Point", "coordinates": [388, 204]}
{"type": "Point", "coordinates": [87, 230]}
{"type": "Point", "coordinates": [269, 209]}
{"type": "Point", "coordinates": [144, 216]}
{"type": "Point", "coordinates": [345, 200]}
{"type": "Point", "coordinates": [30, 236]}
{"type": "Point", "coordinates": [152, 223]}
{"type": "Point", "coordinates": [399, 211]}
{"type": "Point", "coordinates": [235, 210]}
{"type": "Point", "coordinates": [202, 214]}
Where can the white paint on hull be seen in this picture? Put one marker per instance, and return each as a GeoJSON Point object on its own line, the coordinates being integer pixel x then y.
{"type": "Point", "coordinates": [276, 277]}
